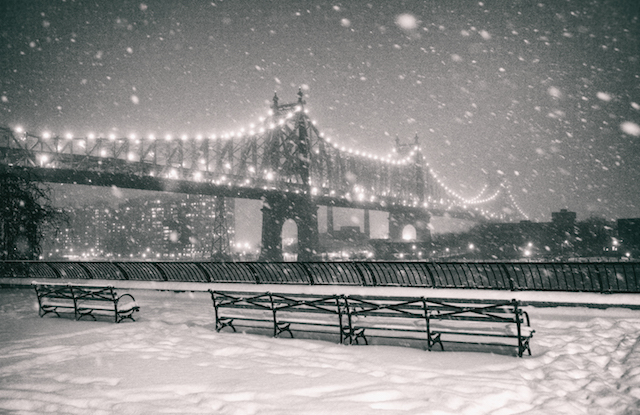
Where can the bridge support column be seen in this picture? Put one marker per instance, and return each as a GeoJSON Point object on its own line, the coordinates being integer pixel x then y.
{"type": "Point", "coordinates": [418, 219]}
{"type": "Point", "coordinates": [330, 221]}
{"type": "Point", "coordinates": [367, 224]}
{"type": "Point", "coordinates": [276, 209]}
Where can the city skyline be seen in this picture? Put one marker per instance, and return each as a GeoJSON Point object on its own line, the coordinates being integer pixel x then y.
{"type": "Point", "coordinates": [545, 95]}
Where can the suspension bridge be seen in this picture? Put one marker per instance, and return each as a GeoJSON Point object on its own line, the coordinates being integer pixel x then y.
{"type": "Point", "coordinates": [283, 160]}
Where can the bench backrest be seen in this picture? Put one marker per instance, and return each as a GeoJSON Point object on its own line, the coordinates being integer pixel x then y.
{"type": "Point", "coordinates": [54, 291]}
{"type": "Point", "coordinates": [498, 311]}
{"type": "Point", "coordinates": [276, 302]}
{"type": "Point", "coordinates": [75, 292]}
{"type": "Point", "coordinates": [94, 293]}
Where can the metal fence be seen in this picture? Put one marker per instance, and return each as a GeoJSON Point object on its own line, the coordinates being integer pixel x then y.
{"type": "Point", "coordinates": [608, 277]}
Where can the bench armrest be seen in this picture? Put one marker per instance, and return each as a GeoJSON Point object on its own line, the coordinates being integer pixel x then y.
{"type": "Point", "coordinates": [126, 300]}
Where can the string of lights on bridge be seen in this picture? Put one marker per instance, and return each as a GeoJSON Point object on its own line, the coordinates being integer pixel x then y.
{"type": "Point", "coordinates": [269, 123]}
{"type": "Point", "coordinates": [251, 130]}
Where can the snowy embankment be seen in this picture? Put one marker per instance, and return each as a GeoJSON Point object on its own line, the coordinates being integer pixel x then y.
{"type": "Point", "coordinates": [171, 360]}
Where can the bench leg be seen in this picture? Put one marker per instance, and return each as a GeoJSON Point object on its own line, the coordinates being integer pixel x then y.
{"type": "Point", "coordinates": [359, 334]}
{"type": "Point", "coordinates": [86, 314]}
{"type": "Point", "coordinates": [433, 339]}
{"type": "Point", "coordinates": [126, 314]}
{"type": "Point", "coordinates": [283, 327]}
{"type": "Point", "coordinates": [352, 335]}
{"type": "Point", "coordinates": [524, 347]}
{"type": "Point", "coordinates": [225, 322]}
{"type": "Point", "coordinates": [42, 312]}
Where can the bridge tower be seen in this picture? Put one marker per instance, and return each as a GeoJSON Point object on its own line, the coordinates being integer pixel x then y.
{"type": "Point", "coordinates": [291, 160]}
{"type": "Point", "coordinates": [399, 218]}
{"type": "Point", "coordinates": [222, 231]}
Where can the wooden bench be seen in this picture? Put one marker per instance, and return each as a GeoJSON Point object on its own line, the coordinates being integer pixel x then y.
{"type": "Point", "coordinates": [357, 318]}
{"type": "Point", "coordinates": [281, 313]}
{"type": "Point", "coordinates": [83, 300]}
{"type": "Point", "coordinates": [442, 320]}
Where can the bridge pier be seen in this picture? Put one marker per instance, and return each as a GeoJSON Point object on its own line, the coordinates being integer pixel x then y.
{"type": "Point", "coordinates": [276, 209]}
{"type": "Point", "coordinates": [398, 220]}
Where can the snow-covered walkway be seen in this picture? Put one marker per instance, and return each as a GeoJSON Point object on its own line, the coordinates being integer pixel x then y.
{"type": "Point", "coordinates": [585, 361]}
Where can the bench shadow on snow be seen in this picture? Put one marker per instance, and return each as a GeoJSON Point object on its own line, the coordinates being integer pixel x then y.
{"type": "Point", "coordinates": [506, 350]}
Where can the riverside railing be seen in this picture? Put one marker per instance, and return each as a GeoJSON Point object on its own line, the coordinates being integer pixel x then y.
{"type": "Point", "coordinates": [602, 277]}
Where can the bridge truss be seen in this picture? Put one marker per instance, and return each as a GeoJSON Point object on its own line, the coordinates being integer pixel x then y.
{"type": "Point", "coordinates": [284, 153]}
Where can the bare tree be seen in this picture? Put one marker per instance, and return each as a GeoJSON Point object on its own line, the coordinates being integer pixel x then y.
{"type": "Point", "coordinates": [26, 214]}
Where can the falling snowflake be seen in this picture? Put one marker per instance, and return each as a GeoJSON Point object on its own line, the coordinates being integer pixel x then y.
{"type": "Point", "coordinates": [407, 21]}
{"type": "Point", "coordinates": [554, 92]}
{"type": "Point", "coordinates": [485, 35]}
{"type": "Point", "coordinates": [630, 128]}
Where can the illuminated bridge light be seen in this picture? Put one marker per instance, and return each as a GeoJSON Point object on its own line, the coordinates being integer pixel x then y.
{"type": "Point", "coordinates": [19, 130]}
{"type": "Point", "coordinates": [151, 137]}
{"type": "Point", "coordinates": [69, 136]}
{"type": "Point", "coordinates": [103, 153]}
{"type": "Point", "coordinates": [184, 137]}
{"type": "Point", "coordinates": [46, 135]}
{"type": "Point", "coordinates": [167, 137]}
{"type": "Point", "coordinates": [91, 136]}
{"type": "Point", "coordinates": [112, 136]}
{"type": "Point", "coordinates": [199, 137]}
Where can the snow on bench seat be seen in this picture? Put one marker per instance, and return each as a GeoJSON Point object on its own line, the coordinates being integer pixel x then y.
{"type": "Point", "coordinates": [354, 318]}
{"type": "Point", "coordinates": [83, 300]}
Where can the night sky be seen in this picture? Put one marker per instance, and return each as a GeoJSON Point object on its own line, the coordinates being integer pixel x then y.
{"type": "Point", "coordinates": [543, 93]}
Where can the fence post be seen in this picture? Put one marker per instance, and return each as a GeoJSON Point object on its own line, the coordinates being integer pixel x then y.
{"type": "Point", "coordinates": [595, 266]}
{"type": "Point", "coordinates": [119, 268]}
{"type": "Point", "coordinates": [253, 270]}
{"type": "Point", "coordinates": [308, 272]}
{"type": "Point", "coordinates": [512, 285]}
{"type": "Point", "coordinates": [431, 277]}
{"type": "Point", "coordinates": [363, 280]}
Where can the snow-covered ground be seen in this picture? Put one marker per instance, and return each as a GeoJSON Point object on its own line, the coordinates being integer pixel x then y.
{"type": "Point", "coordinates": [171, 360]}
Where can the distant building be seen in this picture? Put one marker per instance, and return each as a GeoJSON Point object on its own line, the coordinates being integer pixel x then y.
{"type": "Point", "coordinates": [159, 227]}
{"type": "Point", "coordinates": [629, 236]}
{"type": "Point", "coordinates": [527, 239]}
